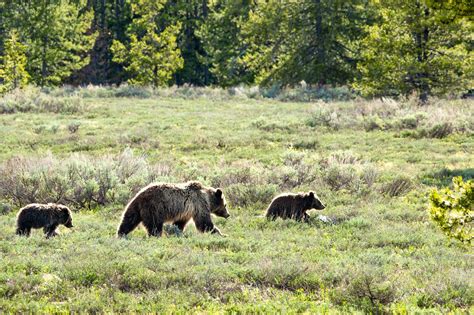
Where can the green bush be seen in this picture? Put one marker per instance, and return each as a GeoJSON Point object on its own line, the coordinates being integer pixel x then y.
{"type": "Point", "coordinates": [453, 210]}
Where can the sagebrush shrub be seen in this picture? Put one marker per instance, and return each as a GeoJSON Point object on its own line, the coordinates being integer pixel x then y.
{"type": "Point", "coordinates": [343, 170]}
{"type": "Point", "coordinates": [82, 181]}
{"type": "Point", "coordinates": [397, 187]}
{"type": "Point", "coordinates": [453, 210]}
{"type": "Point", "coordinates": [241, 195]}
{"type": "Point", "coordinates": [34, 100]}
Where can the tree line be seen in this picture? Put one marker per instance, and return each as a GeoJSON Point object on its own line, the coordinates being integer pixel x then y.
{"type": "Point", "coordinates": [390, 47]}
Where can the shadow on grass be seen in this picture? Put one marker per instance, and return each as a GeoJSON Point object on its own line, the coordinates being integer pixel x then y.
{"type": "Point", "coordinates": [444, 177]}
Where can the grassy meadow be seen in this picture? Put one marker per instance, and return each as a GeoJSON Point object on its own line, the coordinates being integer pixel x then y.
{"type": "Point", "coordinates": [372, 163]}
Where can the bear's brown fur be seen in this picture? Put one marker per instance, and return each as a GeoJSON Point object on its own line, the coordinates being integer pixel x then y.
{"type": "Point", "coordinates": [160, 203]}
{"type": "Point", "coordinates": [293, 206]}
{"type": "Point", "coordinates": [46, 216]}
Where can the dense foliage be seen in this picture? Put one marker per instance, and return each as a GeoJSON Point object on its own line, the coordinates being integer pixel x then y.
{"type": "Point", "coordinates": [453, 210]}
{"type": "Point", "coordinates": [13, 62]}
{"type": "Point", "coordinates": [394, 47]}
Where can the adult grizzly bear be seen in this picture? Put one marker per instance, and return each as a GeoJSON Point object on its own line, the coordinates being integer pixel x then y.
{"type": "Point", "coordinates": [293, 206]}
{"type": "Point", "coordinates": [160, 203]}
{"type": "Point", "coordinates": [46, 216]}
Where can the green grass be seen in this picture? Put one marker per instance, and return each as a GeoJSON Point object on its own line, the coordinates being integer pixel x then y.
{"type": "Point", "coordinates": [382, 254]}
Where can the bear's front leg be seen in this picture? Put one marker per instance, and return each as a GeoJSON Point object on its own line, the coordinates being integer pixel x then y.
{"type": "Point", "coordinates": [306, 217]}
{"type": "Point", "coordinates": [215, 230]}
{"type": "Point", "coordinates": [23, 231]}
{"type": "Point", "coordinates": [204, 224]}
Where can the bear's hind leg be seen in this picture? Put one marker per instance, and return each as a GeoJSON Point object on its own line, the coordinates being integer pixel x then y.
{"type": "Point", "coordinates": [130, 220]}
{"type": "Point", "coordinates": [154, 228]}
{"type": "Point", "coordinates": [181, 224]}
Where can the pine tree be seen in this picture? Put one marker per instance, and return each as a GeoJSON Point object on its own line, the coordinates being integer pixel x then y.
{"type": "Point", "coordinates": [57, 34]}
{"type": "Point", "coordinates": [222, 41]}
{"type": "Point", "coordinates": [311, 40]}
{"type": "Point", "coordinates": [152, 56]}
{"type": "Point", "coordinates": [417, 48]}
{"type": "Point", "coordinates": [12, 64]}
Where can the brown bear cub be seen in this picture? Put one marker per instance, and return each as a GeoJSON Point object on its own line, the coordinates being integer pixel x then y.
{"type": "Point", "coordinates": [161, 203]}
{"type": "Point", "coordinates": [46, 216]}
{"type": "Point", "coordinates": [293, 206]}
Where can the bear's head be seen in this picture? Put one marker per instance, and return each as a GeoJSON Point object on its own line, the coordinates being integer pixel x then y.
{"type": "Point", "coordinates": [65, 216]}
{"type": "Point", "coordinates": [314, 202]}
{"type": "Point", "coordinates": [218, 204]}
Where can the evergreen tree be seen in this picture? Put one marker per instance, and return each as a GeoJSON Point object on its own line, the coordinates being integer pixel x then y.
{"type": "Point", "coordinates": [311, 40]}
{"type": "Point", "coordinates": [223, 44]}
{"type": "Point", "coordinates": [57, 35]}
{"type": "Point", "coordinates": [417, 48]}
{"type": "Point", "coordinates": [152, 56]}
{"type": "Point", "coordinates": [12, 64]}
{"type": "Point", "coordinates": [191, 14]}
{"type": "Point", "coordinates": [110, 21]}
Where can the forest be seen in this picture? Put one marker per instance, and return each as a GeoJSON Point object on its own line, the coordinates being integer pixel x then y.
{"type": "Point", "coordinates": [375, 48]}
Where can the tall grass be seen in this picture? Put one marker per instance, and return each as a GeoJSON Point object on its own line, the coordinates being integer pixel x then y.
{"type": "Point", "coordinates": [372, 250]}
{"type": "Point", "coordinates": [86, 182]}
{"type": "Point", "coordinates": [303, 93]}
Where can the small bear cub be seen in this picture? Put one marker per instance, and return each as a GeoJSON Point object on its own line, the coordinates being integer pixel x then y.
{"type": "Point", "coordinates": [46, 216]}
{"type": "Point", "coordinates": [293, 206]}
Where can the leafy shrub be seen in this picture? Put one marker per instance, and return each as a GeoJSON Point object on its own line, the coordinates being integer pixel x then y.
{"type": "Point", "coordinates": [453, 210]}
{"type": "Point", "coordinates": [34, 100]}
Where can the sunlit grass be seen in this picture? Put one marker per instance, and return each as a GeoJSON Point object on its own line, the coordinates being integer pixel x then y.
{"type": "Point", "coordinates": [379, 253]}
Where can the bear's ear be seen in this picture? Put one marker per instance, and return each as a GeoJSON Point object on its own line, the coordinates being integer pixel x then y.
{"type": "Point", "coordinates": [311, 194]}
{"type": "Point", "coordinates": [218, 193]}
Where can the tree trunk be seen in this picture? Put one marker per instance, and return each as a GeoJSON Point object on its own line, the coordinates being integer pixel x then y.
{"type": "Point", "coordinates": [205, 12]}
{"type": "Point", "coordinates": [44, 64]}
{"type": "Point", "coordinates": [320, 49]}
{"type": "Point", "coordinates": [421, 39]}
